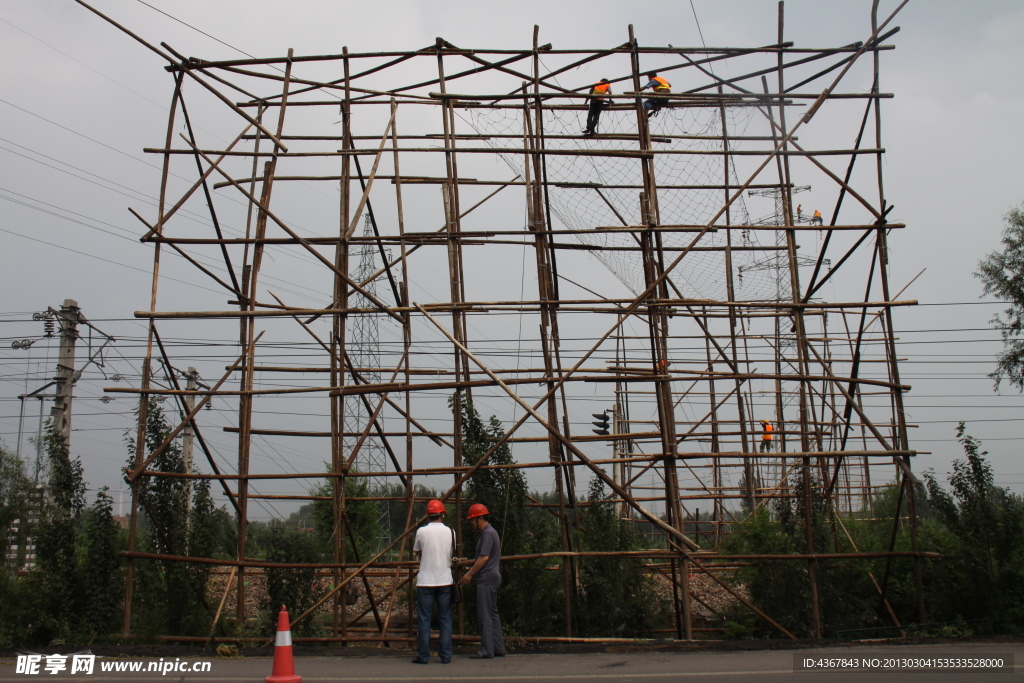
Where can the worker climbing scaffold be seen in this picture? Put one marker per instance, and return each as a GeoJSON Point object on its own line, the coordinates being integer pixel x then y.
{"type": "Point", "coordinates": [660, 87]}
{"type": "Point", "coordinates": [601, 90]}
{"type": "Point", "coordinates": [766, 437]}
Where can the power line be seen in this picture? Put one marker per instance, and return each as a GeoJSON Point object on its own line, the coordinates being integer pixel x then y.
{"type": "Point", "coordinates": [81, 135]}
{"type": "Point", "coordinates": [197, 30]}
{"type": "Point", "coordinates": [100, 73]}
{"type": "Point", "coordinates": [100, 258]}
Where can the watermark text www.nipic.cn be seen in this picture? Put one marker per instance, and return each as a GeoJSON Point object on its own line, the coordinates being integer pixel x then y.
{"type": "Point", "coordinates": [86, 664]}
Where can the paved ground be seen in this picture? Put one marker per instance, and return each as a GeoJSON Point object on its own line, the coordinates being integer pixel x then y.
{"type": "Point", "coordinates": [650, 667]}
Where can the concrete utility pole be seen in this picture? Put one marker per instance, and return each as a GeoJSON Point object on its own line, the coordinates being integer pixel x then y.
{"type": "Point", "coordinates": [188, 434]}
{"type": "Point", "coordinates": [66, 376]}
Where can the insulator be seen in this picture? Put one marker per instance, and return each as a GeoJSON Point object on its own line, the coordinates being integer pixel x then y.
{"type": "Point", "coordinates": [209, 405]}
{"type": "Point", "coordinates": [48, 327]}
{"type": "Point", "coordinates": [161, 398]}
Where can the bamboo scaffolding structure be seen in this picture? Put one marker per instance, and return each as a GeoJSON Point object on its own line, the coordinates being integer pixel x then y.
{"type": "Point", "coordinates": [694, 357]}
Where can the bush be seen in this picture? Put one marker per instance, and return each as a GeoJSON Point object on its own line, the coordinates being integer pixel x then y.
{"type": "Point", "coordinates": [295, 588]}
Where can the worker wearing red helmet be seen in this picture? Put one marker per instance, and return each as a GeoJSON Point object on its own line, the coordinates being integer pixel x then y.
{"type": "Point", "coordinates": [486, 569]}
{"type": "Point", "coordinates": [435, 546]}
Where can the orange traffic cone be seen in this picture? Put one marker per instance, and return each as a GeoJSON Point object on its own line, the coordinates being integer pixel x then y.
{"type": "Point", "coordinates": [284, 663]}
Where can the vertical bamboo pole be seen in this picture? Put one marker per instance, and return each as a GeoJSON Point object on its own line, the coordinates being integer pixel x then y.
{"type": "Point", "coordinates": [410, 489]}
{"type": "Point", "coordinates": [450, 195]}
{"type": "Point", "coordinates": [247, 377]}
{"type": "Point", "coordinates": [653, 254]}
{"type": "Point", "coordinates": [900, 438]}
{"type": "Point", "coordinates": [140, 434]}
{"type": "Point", "coordinates": [339, 327]}
{"type": "Point", "coordinates": [730, 286]}
{"type": "Point", "coordinates": [801, 337]}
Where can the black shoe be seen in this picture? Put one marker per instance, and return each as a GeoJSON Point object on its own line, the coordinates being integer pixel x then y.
{"type": "Point", "coordinates": [419, 661]}
{"type": "Point", "coordinates": [446, 661]}
{"type": "Point", "coordinates": [479, 655]}
{"type": "Point", "coordinates": [499, 655]}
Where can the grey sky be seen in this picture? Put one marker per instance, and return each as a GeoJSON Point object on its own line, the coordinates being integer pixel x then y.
{"type": "Point", "coordinates": [952, 134]}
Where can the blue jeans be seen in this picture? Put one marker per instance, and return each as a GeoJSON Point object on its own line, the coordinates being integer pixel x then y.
{"type": "Point", "coordinates": [426, 596]}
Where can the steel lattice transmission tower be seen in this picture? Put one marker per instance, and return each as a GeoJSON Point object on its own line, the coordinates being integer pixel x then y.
{"type": "Point", "coordinates": [364, 353]}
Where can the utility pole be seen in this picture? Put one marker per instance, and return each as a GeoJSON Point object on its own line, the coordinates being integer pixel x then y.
{"type": "Point", "coordinates": [188, 434]}
{"type": "Point", "coordinates": [66, 375]}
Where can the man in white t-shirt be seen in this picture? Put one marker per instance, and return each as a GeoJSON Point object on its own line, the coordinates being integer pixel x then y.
{"type": "Point", "coordinates": [435, 546]}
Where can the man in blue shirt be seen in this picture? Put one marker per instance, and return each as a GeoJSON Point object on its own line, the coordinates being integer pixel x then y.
{"type": "Point", "coordinates": [486, 569]}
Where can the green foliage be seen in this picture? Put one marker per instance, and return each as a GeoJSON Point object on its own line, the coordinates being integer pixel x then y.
{"type": "Point", "coordinates": [1002, 275]}
{"type": "Point", "coordinates": [14, 489]}
{"type": "Point", "coordinates": [782, 588]}
{"type": "Point", "coordinates": [103, 585]}
{"type": "Point", "coordinates": [15, 597]}
{"type": "Point", "coordinates": [212, 530]}
{"type": "Point", "coordinates": [503, 491]}
{"type": "Point", "coordinates": [295, 588]}
{"type": "Point", "coordinates": [362, 516]}
{"type": "Point", "coordinates": [523, 530]}
{"type": "Point", "coordinates": [18, 616]}
{"type": "Point", "coordinates": [58, 586]}
{"type": "Point", "coordinates": [981, 538]}
{"type": "Point", "coordinates": [170, 596]}
{"type": "Point", "coordinates": [616, 598]}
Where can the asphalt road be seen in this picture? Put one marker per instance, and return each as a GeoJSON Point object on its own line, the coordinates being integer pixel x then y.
{"type": "Point", "coordinates": [721, 667]}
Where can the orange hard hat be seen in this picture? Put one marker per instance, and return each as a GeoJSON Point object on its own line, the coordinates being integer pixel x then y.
{"type": "Point", "coordinates": [477, 510]}
{"type": "Point", "coordinates": [435, 507]}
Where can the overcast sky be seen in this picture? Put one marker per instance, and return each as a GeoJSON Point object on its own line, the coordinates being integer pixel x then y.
{"type": "Point", "coordinates": [79, 100]}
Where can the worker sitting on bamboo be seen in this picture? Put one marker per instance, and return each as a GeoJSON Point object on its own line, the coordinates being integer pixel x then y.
{"type": "Point", "coordinates": [766, 438]}
{"type": "Point", "coordinates": [816, 218]}
{"type": "Point", "coordinates": [660, 87]}
{"type": "Point", "coordinates": [601, 89]}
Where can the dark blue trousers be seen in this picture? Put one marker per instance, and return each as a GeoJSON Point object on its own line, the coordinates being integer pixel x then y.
{"type": "Point", "coordinates": [426, 596]}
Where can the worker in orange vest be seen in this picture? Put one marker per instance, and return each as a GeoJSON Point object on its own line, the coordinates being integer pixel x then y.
{"type": "Point", "coordinates": [660, 87]}
{"type": "Point", "coordinates": [766, 438]}
{"type": "Point", "coordinates": [816, 219]}
{"type": "Point", "coordinates": [601, 89]}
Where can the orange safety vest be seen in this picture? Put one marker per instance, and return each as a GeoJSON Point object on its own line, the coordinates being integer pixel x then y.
{"type": "Point", "coordinates": [600, 89]}
{"type": "Point", "coordinates": [817, 214]}
{"type": "Point", "coordinates": [663, 85]}
{"type": "Point", "coordinates": [768, 429]}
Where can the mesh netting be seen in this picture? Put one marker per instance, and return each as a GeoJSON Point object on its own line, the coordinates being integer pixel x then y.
{"type": "Point", "coordinates": [701, 274]}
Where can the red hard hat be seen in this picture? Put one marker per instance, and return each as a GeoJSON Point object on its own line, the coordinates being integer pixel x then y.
{"type": "Point", "coordinates": [477, 510]}
{"type": "Point", "coordinates": [435, 507]}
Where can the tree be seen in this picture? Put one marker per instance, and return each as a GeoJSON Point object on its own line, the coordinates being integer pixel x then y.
{"type": "Point", "coordinates": [981, 573]}
{"type": "Point", "coordinates": [503, 491]}
{"type": "Point", "coordinates": [616, 598]}
{"type": "Point", "coordinates": [14, 494]}
{"type": "Point", "coordinates": [782, 588]}
{"type": "Point", "coordinates": [101, 568]}
{"type": "Point", "coordinates": [58, 579]}
{"type": "Point", "coordinates": [362, 516]}
{"type": "Point", "coordinates": [523, 530]}
{"type": "Point", "coordinates": [1002, 274]}
{"type": "Point", "coordinates": [170, 594]}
